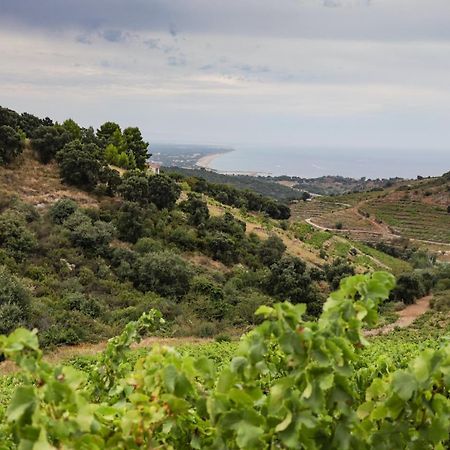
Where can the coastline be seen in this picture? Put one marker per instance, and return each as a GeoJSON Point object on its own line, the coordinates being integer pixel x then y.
{"type": "Point", "coordinates": [206, 161]}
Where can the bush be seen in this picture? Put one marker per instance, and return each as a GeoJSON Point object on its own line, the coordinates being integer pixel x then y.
{"type": "Point", "coordinates": [47, 141]}
{"type": "Point", "coordinates": [271, 250]}
{"type": "Point", "coordinates": [163, 191]}
{"type": "Point", "coordinates": [62, 209]}
{"type": "Point", "coordinates": [337, 271]}
{"type": "Point", "coordinates": [11, 144]}
{"type": "Point", "coordinates": [92, 237]}
{"type": "Point", "coordinates": [15, 238]}
{"type": "Point", "coordinates": [14, 301]}
{"type": "Point", "coordinates": [291, 280]}
{"type": "Point", "coordinates": [130, 221]}
{"type": "Point", "coordinates": [80, 164]}
{"type": "Point", "coordinates": [409, 288]}
{"type": "Point", "coordinates": [164, 273]}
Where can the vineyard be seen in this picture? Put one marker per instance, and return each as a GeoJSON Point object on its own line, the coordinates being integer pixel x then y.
{"type": "Point", "coordinates": [291, 383]}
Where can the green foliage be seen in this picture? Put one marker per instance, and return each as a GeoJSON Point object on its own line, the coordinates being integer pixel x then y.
{"type": "Point", "coordinates": [164, 273]}
{"type": "Point", "coordinates": [134, 187]}
{"type": "Point", "coordinates": [136, 146]}
{"type": "Point", "coordinates": [163, 191]}
{"type": "Point", "coordinates": [15, 238]}
{"type": "Point", "coordinates": [11, 144]}
{"type": "Point", "coordinates": [80, 164]}
{"type": "Point", "coordinates": [62, 209]}
{"type": "Point", "coordinates": [91, 236]}
{"type": "Point", "coordinates": [336, 271]}
{"type": "Point", "coordinates": [197, 209]}
{"type": "Point", "coordinates": [47, 141]}
{"type": "Point", "coordinates": [290, 279]}
{"type": "Point", "coordinates": [130, 221]}
{"type": "Point", "coordinates": [291, 384]}
{"type": "Point", "coordinates": [409, 288]}
{"type": "Point", "coordinates": [271, 250]}
{"type": "Point", "coordinates": [72, 128]}
{"type": "Point", "coordinates": [14, 302]}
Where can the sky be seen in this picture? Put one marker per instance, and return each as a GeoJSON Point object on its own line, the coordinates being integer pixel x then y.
{"type": "Point", "coordinates": [323, 73]}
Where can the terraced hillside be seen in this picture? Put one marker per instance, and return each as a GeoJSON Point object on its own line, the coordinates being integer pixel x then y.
{"type": "Point", "coordinates": [416, 210]}
{"type": "Point", "coordinates": [413, 219]}
{"type": "Point", "coordinates": [315, 208]}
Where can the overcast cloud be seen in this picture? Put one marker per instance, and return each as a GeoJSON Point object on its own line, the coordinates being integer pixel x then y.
{"type": "Point", "coordinates": [359, 73]}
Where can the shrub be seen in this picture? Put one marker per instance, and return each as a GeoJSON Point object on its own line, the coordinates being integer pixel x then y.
{"type": "Point", "coordinates": [164, 273]}
{"type": "Point", "coordinates": [11, 144]}
{"type": "Point", "coordinates": [409, 288]}
{"type": "Point", "coordinates": [47, 141]}
{"type": "Point", "coordinates": [271, 250]}
{"type": "Point", "coordinates": [62, 209]}
{"type": "Point", "coordinates": [92, 237]}
{"type": "Point", "coordinates": [15, 238]}
{"type": "Point", "coordinates": [163, 191]}
{"type": "Point", "coordinates": [14, 301]}
{"type": "Point", "coordinates": [80, 164]}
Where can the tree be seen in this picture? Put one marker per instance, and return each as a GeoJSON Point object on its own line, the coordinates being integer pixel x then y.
{"type": "Point", "coordinates": [9, 117]}
{"type": "Point", "coordinates": [93, 237]}
{"type": "Point", "coordinates": [197, 209]}
{"type": "Point", "coordinates": [28, 123]}
{"type": "Point", "coordinates": [136, 145]}
{"type": "Point", "coordinates": [130, 222]}
{"type": "Point", "coordinates": [15, 238]}
{"type": "Point", "coordinates": [62, 209]}
{"type": "Point", "coordinates": [47, 141]}
{"type": "Point", "coordinates": [164, 273]}
{"type": "Point", "coordinates": [290, 280]}
{"type": "Point", "coordinates": [11, 144]}
{"type": "Point", "coordinates": [271, 250]}
{"type": "Point", "coordinates": [14, 302]}
{"type": "Point", "coordinates": [222, 248]}
{"type": "Point", "coordinates": [80, 164]}
{"type": "Point", "coordinates": [111, 178]}
{"type": "Point", "coordinates": [409, 288]}
{"type": "Point", "coordinates": [306, 196]}
{"type": "Point", "coordinates": [112, 154]}
{"type": "Point", "coordinates": [72, 128]}
{"type": "Point", "coordinates": [336, 271]}
{"type": "Point", "coordinates": [106, 132]}
{"type": "Point", "coordinates": [134, 187]}
{"type": "Point", "coordinates": [163, 191]}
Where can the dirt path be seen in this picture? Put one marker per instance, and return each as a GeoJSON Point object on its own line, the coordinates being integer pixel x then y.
{"type": "Point", "coordinates": [406, 317]}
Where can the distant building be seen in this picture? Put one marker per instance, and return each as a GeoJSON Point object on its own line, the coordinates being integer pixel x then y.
{"type": "Point", "coordinates": [153, 167]}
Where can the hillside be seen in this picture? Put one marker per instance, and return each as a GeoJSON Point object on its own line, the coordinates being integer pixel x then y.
{"type": "Point", "coordinates": [416, 210]}
{"type": "Point", "coordinates": [94, 244]}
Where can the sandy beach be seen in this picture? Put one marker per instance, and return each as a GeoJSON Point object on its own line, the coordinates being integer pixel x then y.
{"type": "Point", "coordinates": [205, 161]}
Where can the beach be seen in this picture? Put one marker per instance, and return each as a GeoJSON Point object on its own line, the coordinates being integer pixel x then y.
{"type": "Point", "coordinates": [206, 161]}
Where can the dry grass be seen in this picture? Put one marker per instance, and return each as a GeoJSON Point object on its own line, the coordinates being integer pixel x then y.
{"type": "Point", "coordinates": [39, 184]}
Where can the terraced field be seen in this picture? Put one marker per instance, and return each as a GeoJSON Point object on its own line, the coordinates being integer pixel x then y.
{"type": "Point", "coordinates": [413, 219]}
{"type": "Point", "coordinates": [314, 208]}
{"type": "Point", "coordinates": [348, 218]}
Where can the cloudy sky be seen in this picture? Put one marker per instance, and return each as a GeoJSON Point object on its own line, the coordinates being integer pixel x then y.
{"type": "Point", "coordinates": [357, 73]}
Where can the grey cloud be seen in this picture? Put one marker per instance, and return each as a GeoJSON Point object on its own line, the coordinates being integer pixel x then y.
{"type": "Point", "coordinates": [114, 35]}
{"type": "Point", "coordinates": [84, 39]}
{"type": "Point", "coordinates": [179, 60]}
{"type": "Point", "coordinates": [361, 20]}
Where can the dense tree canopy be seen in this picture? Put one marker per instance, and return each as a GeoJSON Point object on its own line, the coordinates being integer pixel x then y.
{"type": "Point", "coordinates": [136, 146]}
{"type": "Point", "coordinates": [80, 164]}
{"type": "Point", "coordinates": [11, 144]}
{"type": "Point", "coordinates": [47, 141]}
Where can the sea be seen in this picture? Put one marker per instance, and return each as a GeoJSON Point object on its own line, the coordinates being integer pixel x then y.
{"type": "Point", "coordinates": [316, 162]}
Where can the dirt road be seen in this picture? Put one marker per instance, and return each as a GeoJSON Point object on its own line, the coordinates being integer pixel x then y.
{"type": "Point", "coordinates": [406, 317]}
